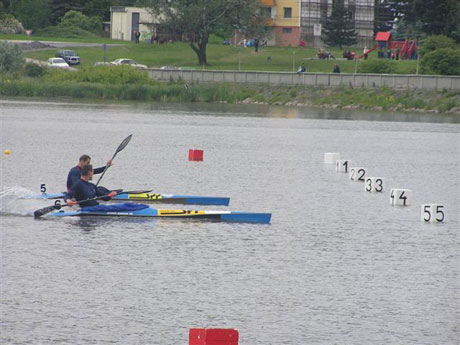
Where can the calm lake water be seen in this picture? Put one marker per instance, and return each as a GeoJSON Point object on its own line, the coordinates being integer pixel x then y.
{"type": "Point", "coordinates": [337, 265]}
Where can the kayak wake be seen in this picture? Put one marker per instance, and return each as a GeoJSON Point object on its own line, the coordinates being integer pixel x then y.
{"type": "Point", "coordinates": [14, 201]}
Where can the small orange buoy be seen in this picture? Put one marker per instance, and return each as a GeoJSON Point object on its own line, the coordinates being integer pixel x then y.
{"type": "Point", "coordinates": [7, 152]}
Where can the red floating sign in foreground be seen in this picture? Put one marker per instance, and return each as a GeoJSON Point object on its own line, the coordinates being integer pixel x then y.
{"type": "Point", "coordinates": [213, 336]}
{"type": "Point", "coordinates": [195, 155]}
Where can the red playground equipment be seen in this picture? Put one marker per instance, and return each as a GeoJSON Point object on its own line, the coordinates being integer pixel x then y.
{"type": "Point", "coordinates": [393, 49]}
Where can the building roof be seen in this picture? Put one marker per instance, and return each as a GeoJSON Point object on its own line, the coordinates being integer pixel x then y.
{"type": "Point", "coordinates": [383, 36]}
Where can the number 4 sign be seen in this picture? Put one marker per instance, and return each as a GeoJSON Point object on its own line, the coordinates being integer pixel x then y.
{"type": "Point", "coordinates": [400, 197]}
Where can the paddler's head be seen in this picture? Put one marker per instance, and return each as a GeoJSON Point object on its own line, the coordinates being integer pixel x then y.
{"type": "Point", "coordinates": [87, 172]}
{"type": "Point", "coordinates": [84, 160]}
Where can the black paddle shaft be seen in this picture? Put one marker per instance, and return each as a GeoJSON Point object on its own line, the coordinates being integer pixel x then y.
{"type": "Point", "coordinates": [123, 144]}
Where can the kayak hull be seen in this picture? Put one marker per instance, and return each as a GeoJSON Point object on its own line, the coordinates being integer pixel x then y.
{"type": "Point", "coordinates": [223, 216]}
{"type": "Point", "coordinates": [156, 198]}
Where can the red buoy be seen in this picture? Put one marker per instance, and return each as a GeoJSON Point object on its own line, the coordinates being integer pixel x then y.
{"type": "Point", "coordinates": [195, 155]}
{"type": "Point", "coordinates": [213, 336]}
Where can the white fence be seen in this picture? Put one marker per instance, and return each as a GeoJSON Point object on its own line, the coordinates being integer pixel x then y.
{"type": "Point", "coordinates": [398, 81]}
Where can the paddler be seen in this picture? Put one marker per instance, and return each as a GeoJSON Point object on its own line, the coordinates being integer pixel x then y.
{"type": "Point", "coordinates": [84, 190]}
{"type": "Point", "coordinates": [75, 173]}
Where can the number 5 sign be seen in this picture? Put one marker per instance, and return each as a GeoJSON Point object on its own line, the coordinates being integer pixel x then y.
{"type": "Point", "coordinates": [432, 213]}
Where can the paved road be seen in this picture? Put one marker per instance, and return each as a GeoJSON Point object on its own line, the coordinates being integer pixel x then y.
{"type": "Point", "coordinates": [34, 45]}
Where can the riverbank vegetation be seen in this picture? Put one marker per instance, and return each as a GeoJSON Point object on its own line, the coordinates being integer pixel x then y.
{"type": "Point", "coordinates": [127, 84]}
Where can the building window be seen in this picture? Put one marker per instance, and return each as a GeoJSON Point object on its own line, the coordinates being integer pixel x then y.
{"type": "Point", "coordinates": [287, 30]}
{"type": "Point", "coordinates": [287, 12]}
{"type": "Point", "coordinates": [269, 11]}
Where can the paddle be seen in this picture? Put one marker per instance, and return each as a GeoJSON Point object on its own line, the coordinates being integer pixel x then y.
{"type": "Point", "coordinates": [48, 209]}
{"type": "Point", "coordinates": [119, 191]}
{"type": "Point", "coordinates": [123, 144]}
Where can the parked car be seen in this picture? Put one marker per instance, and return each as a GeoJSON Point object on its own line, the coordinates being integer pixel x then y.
{"type": "Point", "coordinates": [128, 62]}
{"type": "Point", "coordinates": [57, 63]}
{"type": "Point", "coordinates": [69, 56]}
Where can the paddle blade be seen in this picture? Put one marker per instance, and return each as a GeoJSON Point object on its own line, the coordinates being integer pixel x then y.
{"type": "Point", "coordinates": [124, 143]}
{"type": "Point", "coordinates": [45, 210]}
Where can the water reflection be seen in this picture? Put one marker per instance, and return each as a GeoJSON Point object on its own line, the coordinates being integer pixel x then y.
{"type": "Point", "coordinates": [257, 110]}
{"type": "Point", "coordinates": [250, 110]}
{"type": "Point", "coordinates": [96, 223]}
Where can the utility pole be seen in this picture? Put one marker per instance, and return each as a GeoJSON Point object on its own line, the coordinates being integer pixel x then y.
{"type": "Point", "coordinates": [293, 61]}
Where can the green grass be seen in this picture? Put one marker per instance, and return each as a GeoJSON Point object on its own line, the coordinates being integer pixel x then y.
{"type": "Point", "coordinates": [220, 57]}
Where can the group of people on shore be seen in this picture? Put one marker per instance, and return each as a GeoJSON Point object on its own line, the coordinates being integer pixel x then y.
{"type": "Point", "coordinates": [323, 54]}
{"type": "Point", "coordinates": [303, 69]}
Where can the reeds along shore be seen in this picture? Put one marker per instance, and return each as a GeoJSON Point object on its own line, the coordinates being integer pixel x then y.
{"type": "Point", "coordinates": [132, 85]}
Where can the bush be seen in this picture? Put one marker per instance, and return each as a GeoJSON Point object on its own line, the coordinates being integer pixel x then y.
{"type": "Point", "coordinates": [74, 24]}
{"type": "Point", "coordinates": [379, 66]}
{"type": "Point", "coordinates": [101, 74]}
{"type": "Point", "coordinates": [34, 70]}
{"type": "Point", "coordinates": [436, 42]}
{"type": "Point", "coordinates": [10, 25]}
{"type": "Point", "coordinates": [444, 61]}
{"type": "Point", "coordinates": [11, 58]}
{"type": "Point", "coordinates": [74, 19]}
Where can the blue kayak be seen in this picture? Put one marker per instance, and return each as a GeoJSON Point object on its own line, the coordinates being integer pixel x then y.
{"type": "Point", "coordinates": [146, 211]}
{"type": "Point", "coordinates": [155, 198]}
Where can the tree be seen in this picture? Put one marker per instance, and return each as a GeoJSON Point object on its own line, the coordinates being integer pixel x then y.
{"type": "Point", "coordinates": [60, 7]}
{"type": "Point", "coordinates": [33, 14]}
{"type": "Point", "coordinates": [195, 20]}
{"type": "Point", "coordinates": [384, 15]}
{"type": "Point", "coordinates": [99, 8]}
{"type": "Point", "coordinates": [435, 17]}
{"type": "Point", "coordinates": [338, 29]}
{"type": "Point", "coordinates": [11, 58]}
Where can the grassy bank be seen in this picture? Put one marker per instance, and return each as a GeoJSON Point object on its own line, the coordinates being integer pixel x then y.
{"type": "Point", "coordinates": [148, 91]}
{"type": "Point", "coordinates": [220, 57]}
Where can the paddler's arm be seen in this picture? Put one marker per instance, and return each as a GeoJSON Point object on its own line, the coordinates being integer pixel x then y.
{"type": "Point", "coordinates": [68, 199]}
{"type": "Point", "coordinates": [100, 170]}
{"type": "Point", "coordinates": [101, 192]}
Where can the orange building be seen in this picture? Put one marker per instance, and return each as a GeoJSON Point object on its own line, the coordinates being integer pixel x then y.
{"type": "Point", "coordinates": [286, 30]}
{"type": "Point", "coordinates": [284, 17]}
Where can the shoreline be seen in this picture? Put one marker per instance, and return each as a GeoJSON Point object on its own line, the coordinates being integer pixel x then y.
{"type": "Point", "coordinates": [346, 98]}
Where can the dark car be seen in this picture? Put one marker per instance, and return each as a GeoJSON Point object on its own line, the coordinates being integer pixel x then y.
{"type": "Point", "coordinates": [69, 56]}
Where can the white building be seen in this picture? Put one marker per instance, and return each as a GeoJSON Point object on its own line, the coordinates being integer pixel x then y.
{"type": "Point", "coordinates": [125, 21]}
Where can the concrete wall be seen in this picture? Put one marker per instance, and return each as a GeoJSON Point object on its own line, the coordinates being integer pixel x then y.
{"type": "Point", "coordinates": [398, 81]}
